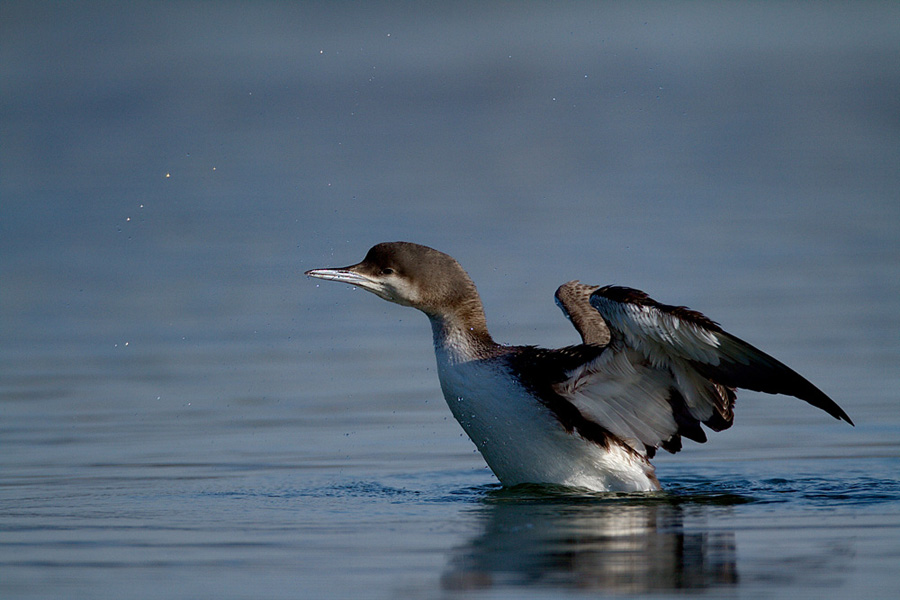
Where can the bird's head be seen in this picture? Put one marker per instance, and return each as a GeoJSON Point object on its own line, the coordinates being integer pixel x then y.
{"type": "Point", "coordinates": [410, 275]}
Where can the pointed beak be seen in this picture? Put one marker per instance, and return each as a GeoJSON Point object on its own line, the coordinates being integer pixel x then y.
{"type": "Point", "coordinates": [351, 276]}
{"type": "Point", "coordinates": [344, 275]}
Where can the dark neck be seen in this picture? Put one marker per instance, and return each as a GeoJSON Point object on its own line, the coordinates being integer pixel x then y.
{"type": "Point", "coordinates": [464, 327]}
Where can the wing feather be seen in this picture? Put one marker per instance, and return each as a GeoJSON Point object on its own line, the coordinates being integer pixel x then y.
{"type": "Point", "coordinates": [679, 338]}
{"type": "Point", "coordinates": [665, 369]}
{"type": "Point", "coordinates": [604, 391]}
{"type": "Point", "coordinates": [574, 299]}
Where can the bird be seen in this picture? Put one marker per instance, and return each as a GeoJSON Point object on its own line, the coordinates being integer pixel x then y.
{"type": "Point", "coordinates": [587, 416]}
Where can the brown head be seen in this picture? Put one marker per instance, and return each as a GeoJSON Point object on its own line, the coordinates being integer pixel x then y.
{"type": "Point", "coordinates": [414, 275]}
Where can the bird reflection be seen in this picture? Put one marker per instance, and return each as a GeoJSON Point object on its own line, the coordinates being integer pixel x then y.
{"type": "Point", "coordinates": [614, 545]}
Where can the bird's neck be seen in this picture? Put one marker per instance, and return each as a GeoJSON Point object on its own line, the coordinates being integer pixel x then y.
{"type": "Point", "coordinates": [462, 332]}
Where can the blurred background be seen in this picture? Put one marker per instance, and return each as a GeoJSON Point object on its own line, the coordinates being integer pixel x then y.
{"type": "Point", "coordinates": [168, 170]}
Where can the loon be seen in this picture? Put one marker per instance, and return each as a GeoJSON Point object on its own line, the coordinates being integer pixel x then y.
{"type": "Point", "coordinates": [587, 416]}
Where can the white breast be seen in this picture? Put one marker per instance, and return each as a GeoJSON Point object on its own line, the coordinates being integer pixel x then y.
{"type": "Point", "coordinates": [521, 440]}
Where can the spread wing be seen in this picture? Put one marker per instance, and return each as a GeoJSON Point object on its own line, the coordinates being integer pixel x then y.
{"type": "Point", "coordinates": [666, 369]}
{"type": "Point", "coordinates": [574, 299]}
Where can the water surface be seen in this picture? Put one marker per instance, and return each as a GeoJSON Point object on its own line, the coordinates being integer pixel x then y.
{"type": "Point", "coordinates": [183, 415]}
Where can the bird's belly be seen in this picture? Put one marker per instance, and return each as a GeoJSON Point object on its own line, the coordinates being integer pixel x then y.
{"type": "Point", "coordinates": [523, 442]}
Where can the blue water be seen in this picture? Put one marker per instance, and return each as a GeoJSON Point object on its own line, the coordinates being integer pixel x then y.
{"type": "Point", "coordinates": [183, 415]}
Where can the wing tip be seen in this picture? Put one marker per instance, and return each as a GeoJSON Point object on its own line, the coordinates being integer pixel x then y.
{"type": "Point", "coordinates": [812, 395]}
{"type": "Point", "coordinates": [843, 416]}
{"type": "Point", "coordinates": [834, 410]}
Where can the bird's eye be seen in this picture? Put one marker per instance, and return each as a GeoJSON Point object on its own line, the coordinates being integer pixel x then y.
{"type": "Point", "coordinates": [387, 271]}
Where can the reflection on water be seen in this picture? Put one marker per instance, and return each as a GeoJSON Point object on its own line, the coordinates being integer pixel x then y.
{"type": "Point", "coordinates": [616, 545]}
